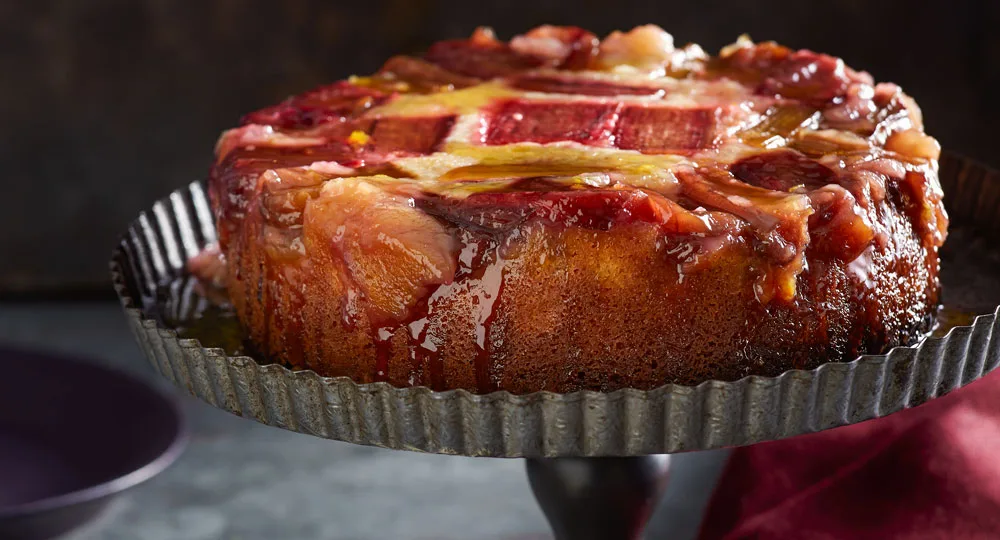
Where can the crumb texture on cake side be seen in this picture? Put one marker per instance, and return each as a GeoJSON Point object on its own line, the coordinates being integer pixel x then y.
{"type": "Point", "coordinates": [561, 212]}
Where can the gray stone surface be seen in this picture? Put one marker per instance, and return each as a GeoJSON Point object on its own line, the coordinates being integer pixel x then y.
{"type": "Point", "coordinates": [242, 480]}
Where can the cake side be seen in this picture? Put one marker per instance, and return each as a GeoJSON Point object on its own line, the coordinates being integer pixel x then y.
{"type": "Point", "coordinates": [558, 212]}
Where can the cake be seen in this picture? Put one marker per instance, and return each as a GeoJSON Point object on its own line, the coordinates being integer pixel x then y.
{"type": "Point", "coordinates": [561, 212]}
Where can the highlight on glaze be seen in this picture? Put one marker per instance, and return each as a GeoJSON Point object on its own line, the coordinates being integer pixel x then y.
{"type": "Point", "coordinates": [560, 212]}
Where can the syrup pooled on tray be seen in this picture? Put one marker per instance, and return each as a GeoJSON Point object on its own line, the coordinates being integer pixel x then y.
{"type": "Point", "coordinates": [949, 317]}
{"type": "Point", "coordinates": [200, 310]}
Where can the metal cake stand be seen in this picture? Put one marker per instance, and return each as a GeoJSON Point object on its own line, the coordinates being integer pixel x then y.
{"type": "Point", "coordinates": [596, 462]}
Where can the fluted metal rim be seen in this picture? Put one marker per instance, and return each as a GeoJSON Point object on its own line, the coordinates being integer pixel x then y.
{"type": "Point", "coordinates": [668, 419]}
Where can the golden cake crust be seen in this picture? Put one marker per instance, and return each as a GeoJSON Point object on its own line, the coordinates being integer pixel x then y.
{"type": "Point", "coordinates": [559, 212]}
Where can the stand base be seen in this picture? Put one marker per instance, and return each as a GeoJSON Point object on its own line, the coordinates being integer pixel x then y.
{"type": "Point", "coordinates": [598, 498]}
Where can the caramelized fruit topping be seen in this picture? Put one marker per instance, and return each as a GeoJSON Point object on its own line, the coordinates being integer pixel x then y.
{"type": "Point", "coordinates": [419, 179]}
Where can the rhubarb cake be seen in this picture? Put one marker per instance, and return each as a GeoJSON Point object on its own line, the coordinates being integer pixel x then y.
{"type": "Point", "coordinates": [561, 212]}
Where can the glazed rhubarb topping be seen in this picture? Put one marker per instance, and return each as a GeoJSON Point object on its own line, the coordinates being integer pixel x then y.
{"type": "Point", "coordinates": [418, 179]}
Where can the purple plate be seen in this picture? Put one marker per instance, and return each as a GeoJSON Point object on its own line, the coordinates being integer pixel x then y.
{"type": "Point", "coordinates": [73, 434]}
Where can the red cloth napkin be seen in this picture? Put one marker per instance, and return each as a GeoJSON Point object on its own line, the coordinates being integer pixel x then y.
{"type": "Point", "coordinates": [929, 472]}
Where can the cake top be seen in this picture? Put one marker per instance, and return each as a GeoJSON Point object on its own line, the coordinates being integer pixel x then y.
{"type": "Point", "coordinates": [792, 148]}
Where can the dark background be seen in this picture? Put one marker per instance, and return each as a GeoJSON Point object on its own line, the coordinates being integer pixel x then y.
{"type": "Point", "coordinates": [107, 105]}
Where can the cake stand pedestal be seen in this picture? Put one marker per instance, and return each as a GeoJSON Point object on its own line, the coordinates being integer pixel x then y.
{"type": "Point", "coordinates": [598, 498]}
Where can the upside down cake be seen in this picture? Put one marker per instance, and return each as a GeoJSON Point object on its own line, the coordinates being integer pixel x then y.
{"type": "Point", "coordinates": [559, 212]}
